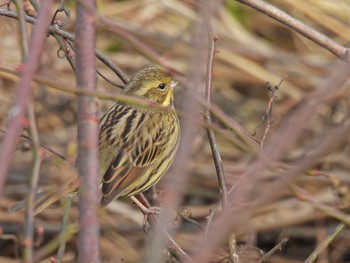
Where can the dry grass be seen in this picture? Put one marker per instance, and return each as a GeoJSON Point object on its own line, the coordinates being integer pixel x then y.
{"type": "Point", "coordinates": [252, 49]}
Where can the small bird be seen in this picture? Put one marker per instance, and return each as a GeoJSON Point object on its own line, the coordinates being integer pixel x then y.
{"type": "Point", "coordinates": [136, 144]}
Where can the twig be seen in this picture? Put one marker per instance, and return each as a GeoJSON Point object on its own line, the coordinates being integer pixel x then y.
{"type": "Point", "coordinates": [67, 202]}
{"type": "Point", "coordinates": [267, 115]}
{"type": "Point", "coordinates": [279, 246]}
{"type": "Point", "coordinates": [207, 117]}
{"type": "Point", "coordinates": [321, 247]}
{"type": "Point", "coordinates": [232, 249]}
{"type": "Point", "coordinates": [66, 48]}
{"type": "Point", "coordinates": [189, 219]}
{"type": "Point", "coordinates": [24, 89]}
{"type": "Point", "coordinates": [41, 145]}
{"type": "Point", "coordinates": [174, 249]}
{"type": "Point", "coordinates": [318, 38]}
{"type": "Point", "coordinates": [210, 218]}
{"type": "Point", "coordinates": [51, 246]}
{"type": "Point", "coordinates": [29, 216]}
{"type": "Point", "coordinates": [109, 63]}
{"type": "Point", "coordinates": [22, 28]}
{"type": "Point", "coordinates": [89, 197]}
{"type": "Point", "coordinates": [35, 4]}
{"type": "Point", "coordinates": [108, 80]}
{"type": "Point", "coordinates": [13, 238]}
{"type": "Point", "coordinates": [69, 53]}
{"type": "Point", "coordinates": [328, 210]}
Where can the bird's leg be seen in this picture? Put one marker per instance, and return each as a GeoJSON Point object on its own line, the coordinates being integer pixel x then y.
{"type": "Point", "coordinates": [154, 210]}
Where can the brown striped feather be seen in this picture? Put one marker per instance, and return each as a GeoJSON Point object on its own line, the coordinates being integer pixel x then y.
{"type": "Point", "coordinates": [142, 156]}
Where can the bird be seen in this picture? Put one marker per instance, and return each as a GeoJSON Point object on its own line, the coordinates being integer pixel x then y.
{"type": "Point", "coordinates": [137, 144]}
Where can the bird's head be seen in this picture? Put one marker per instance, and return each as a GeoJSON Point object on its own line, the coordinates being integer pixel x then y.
{"type": "Point", "coordinates": [152, 84]}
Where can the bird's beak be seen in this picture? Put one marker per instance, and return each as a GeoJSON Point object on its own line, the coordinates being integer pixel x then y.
{"type": "Point", "coordinates": [173, 84]}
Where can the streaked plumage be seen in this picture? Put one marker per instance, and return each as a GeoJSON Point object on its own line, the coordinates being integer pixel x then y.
{"type": "Point", "coordinates": [136, 144]}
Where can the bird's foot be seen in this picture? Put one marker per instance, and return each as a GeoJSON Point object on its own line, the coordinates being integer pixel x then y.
{"type": "Point", "coordinates": [153, 210]}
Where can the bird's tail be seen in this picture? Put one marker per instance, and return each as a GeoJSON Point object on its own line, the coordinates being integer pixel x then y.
{"type": "Point", "coordinates": [46, 198]}
{"type": "Point", "coordinates": [42, 200]}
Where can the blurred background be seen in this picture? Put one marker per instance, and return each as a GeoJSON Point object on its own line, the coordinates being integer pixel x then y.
{"type": "Point", "coordinates": [252, 49]}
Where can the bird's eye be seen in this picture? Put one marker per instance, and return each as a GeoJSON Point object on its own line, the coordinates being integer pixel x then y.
{"type": "Point", "coordinates": [161, 86]}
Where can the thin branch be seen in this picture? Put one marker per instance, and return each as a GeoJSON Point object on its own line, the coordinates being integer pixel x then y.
{"type": "Point", "coordinates": [22, 29]}
{"type": "Point", "coordinates": [51, 246]}
{"type": "Point", "coordinates": [232, 249]}
{"type": "Point", "coordinates": [47, 148]}
{"type": "Point", "coordinates": [34, 178]}
{"type": "Point", "coordinates": [173, 248]}
{"type": "Point", "coordinates": [67, 49]}
{"type": "Point", "coordinates": [210, 218]}
{"type": "Point", "coordinates": [35, 5]}
{"type": "Point", "coordinates": [267, 118]}
{"type": "Point", "coordinates": [69, 53]}
{"type": "Point", "coordinates": [325, 244]}
{"type": "Point", "coordinates": [207, 117]}
{"type": "Point", "coordinates": [104, 59]}
{"type": "Point", "coordinates": [328, 210]}
{"type": "Point", "coordinates": [316, 37]}
{"type": "Point", "coordinates": [279, 246]}
{"type": "Point", "coordinates": [67, 202]}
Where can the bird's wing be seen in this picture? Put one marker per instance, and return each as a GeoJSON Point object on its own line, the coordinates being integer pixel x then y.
{"type": "Point", "coordinates": [136, 155]}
